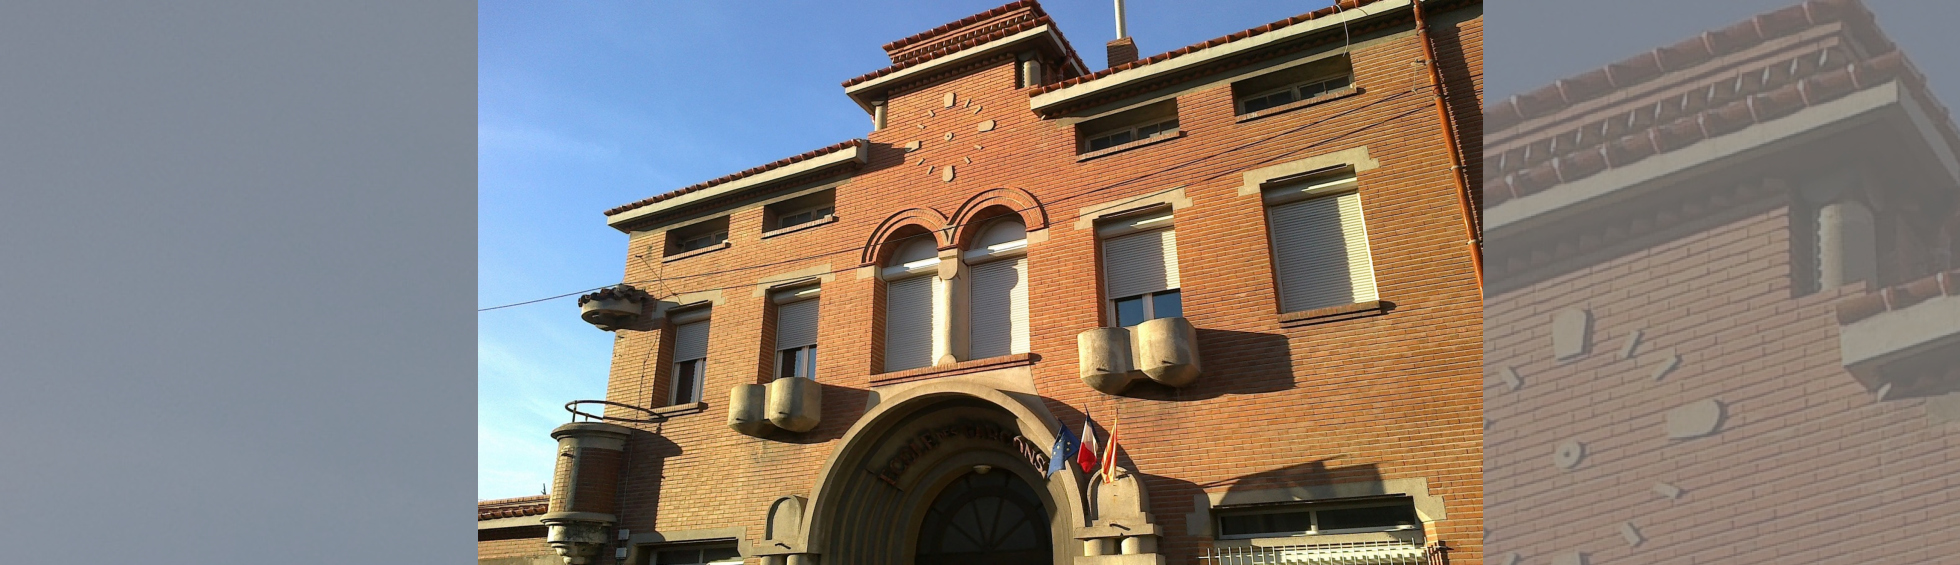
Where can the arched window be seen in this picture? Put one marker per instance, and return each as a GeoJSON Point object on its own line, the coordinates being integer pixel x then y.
{"type": "Point", "coordinates": [997, 289]}
{"type": "Point", "coordinates": [986, 518]}
{"type": "Point", "coordinates": [909, 288]}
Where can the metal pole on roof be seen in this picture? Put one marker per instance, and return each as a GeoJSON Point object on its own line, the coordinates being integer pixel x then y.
{"type": "Point", "coordinates": [1120, 32]}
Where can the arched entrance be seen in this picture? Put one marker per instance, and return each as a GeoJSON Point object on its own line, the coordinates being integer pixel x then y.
{"type": "Point", "coordinates": [949, 473]}
{"type": "Point", "coordinates": [986, 518]}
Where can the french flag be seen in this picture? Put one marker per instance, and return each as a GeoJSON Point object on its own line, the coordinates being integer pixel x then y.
{"type": "Point", "coordinates": [1086, 457]}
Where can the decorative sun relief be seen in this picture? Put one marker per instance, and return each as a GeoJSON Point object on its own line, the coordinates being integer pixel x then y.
{"type": "Point", "coordinates": [948, 171]}
{"type": "Point", "coordinates": [1572, 336]}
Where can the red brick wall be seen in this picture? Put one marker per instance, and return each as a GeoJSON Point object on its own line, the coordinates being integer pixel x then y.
{"type": "Point", "coordinates": [1388, 396]}
{"type": "Point", "coordinates": [1808, 466]}
{"type": "Point", "coordinates": [516, 547]}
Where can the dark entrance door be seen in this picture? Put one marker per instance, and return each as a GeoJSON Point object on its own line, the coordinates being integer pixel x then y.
{"type": "Point", "coordinates": [986, 519]}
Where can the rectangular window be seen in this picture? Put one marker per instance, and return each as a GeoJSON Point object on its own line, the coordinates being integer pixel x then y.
{"type": "Point", "coordinates": [1319, 241]}
{"type": "Point", "coordinates": [998, 308]}
{"type": "Point", "coordinates": [908, 323]}
{"type": "Point", "coordinates": [712, 555]}
{"type": "Point", "coordinates": [690, 355]}
{"type": "Point", "coordinates": [1127, 126]}
{"type": "Point", "coordinates": [800, 210]}
{"type": "Point", "coordinates": [1319, 518]}
{"type": "Point", "coordinates": [1140, 268]}
{"type": "Point", "coordinates": [796, 333]}
{"type": "Point", "coordinates": [1286, 86]}
{"type": "Point", "coordinates": [701, 235]}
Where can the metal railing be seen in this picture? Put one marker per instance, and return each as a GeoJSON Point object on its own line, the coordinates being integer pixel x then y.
{"type": "Point", "coordinates": [1353, 553]}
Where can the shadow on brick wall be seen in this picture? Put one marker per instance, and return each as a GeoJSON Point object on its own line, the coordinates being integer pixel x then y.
{"type": "Point", "coordinates": [1234, 363]}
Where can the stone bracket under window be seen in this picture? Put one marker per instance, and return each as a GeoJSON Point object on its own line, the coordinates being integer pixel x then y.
{"type": "Point", "coordinates": [793, 404]}
{"type": "Point", "coordinates": [1164, 350]}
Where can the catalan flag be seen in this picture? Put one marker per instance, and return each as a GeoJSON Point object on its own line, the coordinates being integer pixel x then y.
{"type": "Point", "coordinates": [1109, 454]}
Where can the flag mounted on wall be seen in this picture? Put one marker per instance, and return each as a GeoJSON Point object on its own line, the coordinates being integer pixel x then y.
{"type": "Point", "coordinates": [1108, 471]}
{"type": "Point", "coordinates": [1065, 443]}
{"type": "Point", "coordinates": [1085, 458]}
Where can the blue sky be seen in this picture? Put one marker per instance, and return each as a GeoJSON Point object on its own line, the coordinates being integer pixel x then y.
{"type": "Point", "coordinates": [586, 106]}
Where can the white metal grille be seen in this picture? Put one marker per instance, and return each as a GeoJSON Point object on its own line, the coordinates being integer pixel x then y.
{"type": "Point", "coordinates": [1357, 553]}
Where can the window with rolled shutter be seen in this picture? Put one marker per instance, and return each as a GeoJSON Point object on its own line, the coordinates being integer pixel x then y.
{"type": "Point", "coordinates": [690, 356]}
{"type": "Point", "coordinates": [1139, 260]}
{"type": "Point", "coordinates": [796, 335]}
{"type": "Point", "coordinates": [1140, 263]}
{"type": "Point", "coordinates": [1320, 243]}
{"type": "Point", "coordinates": [691, 341]}
{"type": "Point", "coordinates": [998, 308]}
{"type": "Point", "coordinates": [796, 324]}
{"type": "Point", "coordinates": [908, 323]}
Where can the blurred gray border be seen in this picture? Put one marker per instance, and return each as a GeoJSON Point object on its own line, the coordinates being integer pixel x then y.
{"type": "Point", "coordinates": [236, 301]}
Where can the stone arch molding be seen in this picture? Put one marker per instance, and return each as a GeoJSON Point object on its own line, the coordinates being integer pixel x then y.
{"type": "Point", "coordinates": [877, 247]}
{"type": "Point", "coordinates": [848, 494]}
{"type": "Point", "coordinates": [1019, 201]}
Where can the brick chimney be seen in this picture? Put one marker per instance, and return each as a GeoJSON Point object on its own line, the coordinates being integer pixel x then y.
{"type": "Point", "coordinates": [1122, 51]}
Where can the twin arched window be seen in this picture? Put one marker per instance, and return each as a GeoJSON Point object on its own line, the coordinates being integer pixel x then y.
{"type": "Point", "coordinates": [989, 294]}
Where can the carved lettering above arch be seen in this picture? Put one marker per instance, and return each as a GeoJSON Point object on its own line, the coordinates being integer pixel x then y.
{"type": "Point", "coordinates": [879, 245]}
{"type": "Point", "coordinates": [976, 208]}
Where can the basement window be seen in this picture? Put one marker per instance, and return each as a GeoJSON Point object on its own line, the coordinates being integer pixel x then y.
{"type": "Point", "coordinates": [1318, 518]}
{"type": "Point", "coordinates": [1155, 120]}
{"type": "Point", "coordinates": [1325, 77]}
{"type": "Point", "coordinates": [801, 210]}
{"type": "Point", "coordinates": [697, 555]}
{"type": "Point", "coordinates": [698, 236]}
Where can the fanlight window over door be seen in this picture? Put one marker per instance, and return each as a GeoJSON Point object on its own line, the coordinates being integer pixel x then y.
{"type": "Point", "coordinates": [986, 519]}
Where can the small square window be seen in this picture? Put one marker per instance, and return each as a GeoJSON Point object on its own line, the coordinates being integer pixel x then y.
{"type": "Point", "coordinates": [710, 555]}
{"type": "Point", "coordinates": [1286, 86]}
{"type": "Point", "coordinates": [697, 236]}
{"type": "Point", "coordinates": [800, 210]}
{"type": "Point", "coordinates": [1127, 126]}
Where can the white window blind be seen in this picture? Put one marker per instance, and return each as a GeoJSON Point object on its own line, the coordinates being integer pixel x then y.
{"type": "Point", "coordinates": [1320, 248]}
{"type": "Point", "coordinates": [908, 323]}
{"type": "Point", "coordinates": [1138, 263]}
{"type": "Point", "coordinates": [999, 308]}
{"type": "Point", "coordinates": [796, 324]}
{"type": "Point", "coordinates": [691, 341]}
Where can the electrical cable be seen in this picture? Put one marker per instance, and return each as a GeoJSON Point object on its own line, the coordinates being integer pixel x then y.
{"type": "Point", "coordinates": [1085, 193]}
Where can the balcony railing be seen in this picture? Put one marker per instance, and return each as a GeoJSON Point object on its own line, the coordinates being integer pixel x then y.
{"type": "Point", "coordinates": [1355, 553]}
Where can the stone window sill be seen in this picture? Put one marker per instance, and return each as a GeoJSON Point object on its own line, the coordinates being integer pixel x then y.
{"type": "Point", "coordinates": [1152, 140]}
{"type": "Point", "coordinates": [800, 227]}
{"type": "Point", "coordinates": [681, 409]}
{"type": "Point", "coordinates": [1335, 313]}
{"type": "Point", "coordinates": [1298, 104]}
{"type": "Point", "coordinates": [695, 253]}
{"type": "Point", "coordinates": [960, 368]}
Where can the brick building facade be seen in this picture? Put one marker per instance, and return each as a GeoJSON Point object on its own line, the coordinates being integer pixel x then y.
{"type": "Point", "coordinates": [1723, 322]}
{"type": "Point", "coordinates": [1246, 257]}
